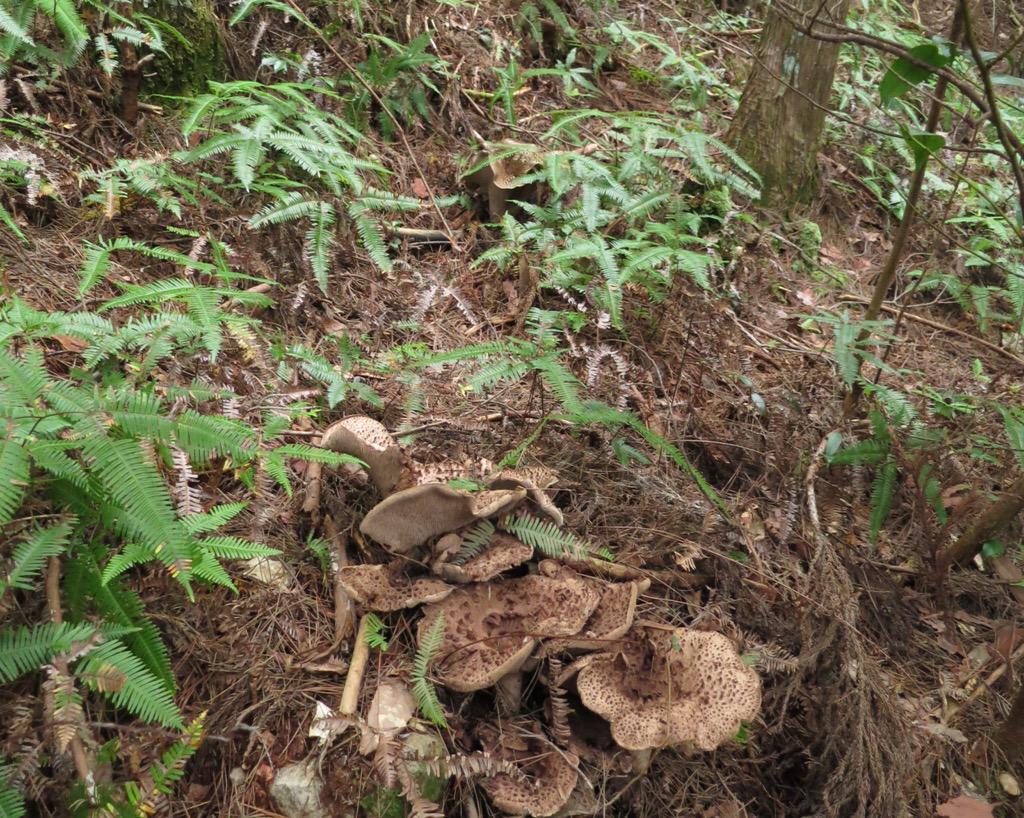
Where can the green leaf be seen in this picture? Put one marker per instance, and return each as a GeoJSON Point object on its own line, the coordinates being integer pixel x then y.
{"type": "Point", "coordinates": [923, 145]}
{"type": "Point", "coordinates": [31, 555]}
{"type": "Point", "coordinates": [27, 648]}
{"type": "Point", "coordinates": [11, 803]}
{"type": "Point", "coordinates": [143, 693]}
{"type": "Point", "coordinates": [904, 75]}
{"type": "Point", "coordinates": [14, 476]}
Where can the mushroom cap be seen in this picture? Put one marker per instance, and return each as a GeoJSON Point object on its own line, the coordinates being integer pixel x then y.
{"type": "Point", "coordinates": [491, 629]}
{"type": "Point", "coordinates": [692, 686]}
{"type": "Point", "coordinates": [503, 553]}
{"type": "Point", "coordinates": [370, 441]}
{"type": "Point", "coordinates": [508, 168]}
{"type": "Point", "coordinates": [614, 613]}
{"type": "Point", "coordinates": [379, 588]}
{"type": "Point", "coordinates": [534, 480]}
{"type": "Point", "coordinates": [549, 778]}
{"type": "Point", "coordinates": [410, 517]}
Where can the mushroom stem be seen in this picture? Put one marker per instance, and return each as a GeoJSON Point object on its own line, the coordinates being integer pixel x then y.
{"type": "Point", "coordinates": [641, 761]}
{"type": "Point", "coordinates": [356, 670]}
{"type": "Point", "coordinates": [344, 610]}
{"type": "Point", "coordinates": [510, 692]}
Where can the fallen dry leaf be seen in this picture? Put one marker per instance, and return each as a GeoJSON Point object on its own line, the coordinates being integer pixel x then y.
{"type": "Point", "coordinates": [963, 806]}
{"type": "Point", "coordinates": [419, 188]}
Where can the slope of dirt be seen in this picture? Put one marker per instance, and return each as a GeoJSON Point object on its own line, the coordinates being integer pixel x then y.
{"type": "Point", "coordinates": [875, 693]}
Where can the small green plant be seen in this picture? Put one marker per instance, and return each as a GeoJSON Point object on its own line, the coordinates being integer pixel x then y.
{"type": "Point", "coordinates": [475, 541]}
{"type": "Point", "coordinates": [423, 689]}
{"type": "Point", "coordinates": [375, 633]}
{"type": "Point", "coordinates": [396, 76]}
{"type": "Point", "coordinates": [544, 535]}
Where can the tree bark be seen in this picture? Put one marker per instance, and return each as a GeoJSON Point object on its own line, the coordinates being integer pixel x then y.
{"type": "Point", "coordinates": [777, 128]}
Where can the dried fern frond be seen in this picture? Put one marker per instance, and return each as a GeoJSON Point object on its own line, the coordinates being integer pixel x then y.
{"type": "Point", "coordinates": [559, 704]}
{"type": "Point", "coordinates": [467, 766]}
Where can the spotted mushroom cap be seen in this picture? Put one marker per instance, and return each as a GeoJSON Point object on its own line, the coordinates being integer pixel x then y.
{"type": "Point", "coordinates": [549, 778]}
{"type": "Point", "coordinates": [379, 588]}
{"type": "Point", "coordinates": [503, 553]}
{"type": "Point", "coordinates": [370, 441]}
{"type": "Point", "coordinates": [410, 517]}
{"type": "Point", "coordinates": [614, 613]}
{"type": "Point", "coordinates": [491, 629]}
{"type": "Point", "coordinates": [507, 169]}
{"type": "Point", "coordinates": [694, 689]}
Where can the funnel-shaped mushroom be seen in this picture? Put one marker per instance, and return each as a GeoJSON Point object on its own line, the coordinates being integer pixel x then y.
{"type": "Point", "coordinates": [548, 779]}
{"type": "Point", "coordinates": [409, 518]}
{"type": "Point", "coordinates": [368, 440]}
{"type": "Point", "coordinates": [534, 480]}
{"type": "Point", "coordinates": [491, 629]}
{"type": "Point", "coordinates": [380, 588]}
{"type": "Point", "coordinates": [671, 687]}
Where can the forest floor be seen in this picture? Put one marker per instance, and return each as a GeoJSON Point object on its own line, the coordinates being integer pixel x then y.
{"type": "Point", "coordinates": [879, 689]}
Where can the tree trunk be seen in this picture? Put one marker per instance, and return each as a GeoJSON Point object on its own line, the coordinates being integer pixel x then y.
{"type": "Point", "coordinates": [777, 128]}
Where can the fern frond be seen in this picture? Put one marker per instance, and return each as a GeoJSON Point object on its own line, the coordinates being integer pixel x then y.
{"type": "Point", "coordinates": [882, 493]}
{"type": "Point", "coordinates": [143, 693]}
{"type": "Point", "coordinates": [319, 240]}
{"type": "Point", "coordinates": [213, 519]}
{"type": "Point", "coordinates": [235, 548]}
{"type": "Point", "coordinates": [14, 477]}
{"type": "Point", "coordinates": [375, 630]}
{"type": "Point", "coordinates": [12, 805]}
{"type": "Point", "coordinates": [31, 555]}
{"type": "Point", "coordinates": [544, 536]}
{"type": "Point", "coordinates": [422, 689]}
{"type": "Point", "coordinates": [142, 503]}
{"type": "Point", "coordinates": [159, 782]}
{"type": "Point", "coordinates": [475, 541]}
{"type": "Point", "coordinates": [27, 648]}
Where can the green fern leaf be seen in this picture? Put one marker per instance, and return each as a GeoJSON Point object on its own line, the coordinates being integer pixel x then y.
{"type": "Point", "coordinates": [544, 536]}
{"type": "Point", "coordinates": [882, 493]}
{"type": "Point", "coordinates": [375, 630]}
{"type": "Point", "coordinates": [481, 536]}
{"type": "Point", "coordinates": [128, 557]}
{"type": "Point", "coordinates": [26, 378]}
{"type": "Point", "coordinates": [319, 240]}
{"type": "Point", "coordinates": [12, 805]}
{"type": "Point", "coordinates": [27, 648]}
{"type": "Point", "coordinates": [14, 478]}
{"type": "Point", "coordinates": [208, 568]}
{"type": "Point", "coordinates": [422, 690]}
{"type": "Point", "coordinates": [142, 503]}
{"type": "Point", "coordinates": [212, 519]}
{"type": "Point", "coordinates": [31, 555]}
{"type": "Point", "coordinates": [235, 548]}
{"type": "Point", "coordinates": [143, 693]}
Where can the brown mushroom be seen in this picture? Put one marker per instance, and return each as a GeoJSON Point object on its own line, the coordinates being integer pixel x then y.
{"type": "Point", "coordinates": [371, 442]}
{"type": "Point", "coordinates": [671, 686]}
{"type": "Point", "coordinates": [381, 588]}
{"type": "Point", "coordinates": [534, 480]}
{"type": "Point", "coordinates": [611, 619]}
{"type": "Point", "coordinates": [503, 553]}
{"type": "Point", "coordinates": [410, 517]}
{"type": "Point", "coordinates": [490, 629]}
{"type": "Point", "coordinates": [548, 778]}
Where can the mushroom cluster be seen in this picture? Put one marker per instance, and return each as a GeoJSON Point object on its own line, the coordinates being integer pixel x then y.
{"type": "Point", "coordinates": [507, 613]}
